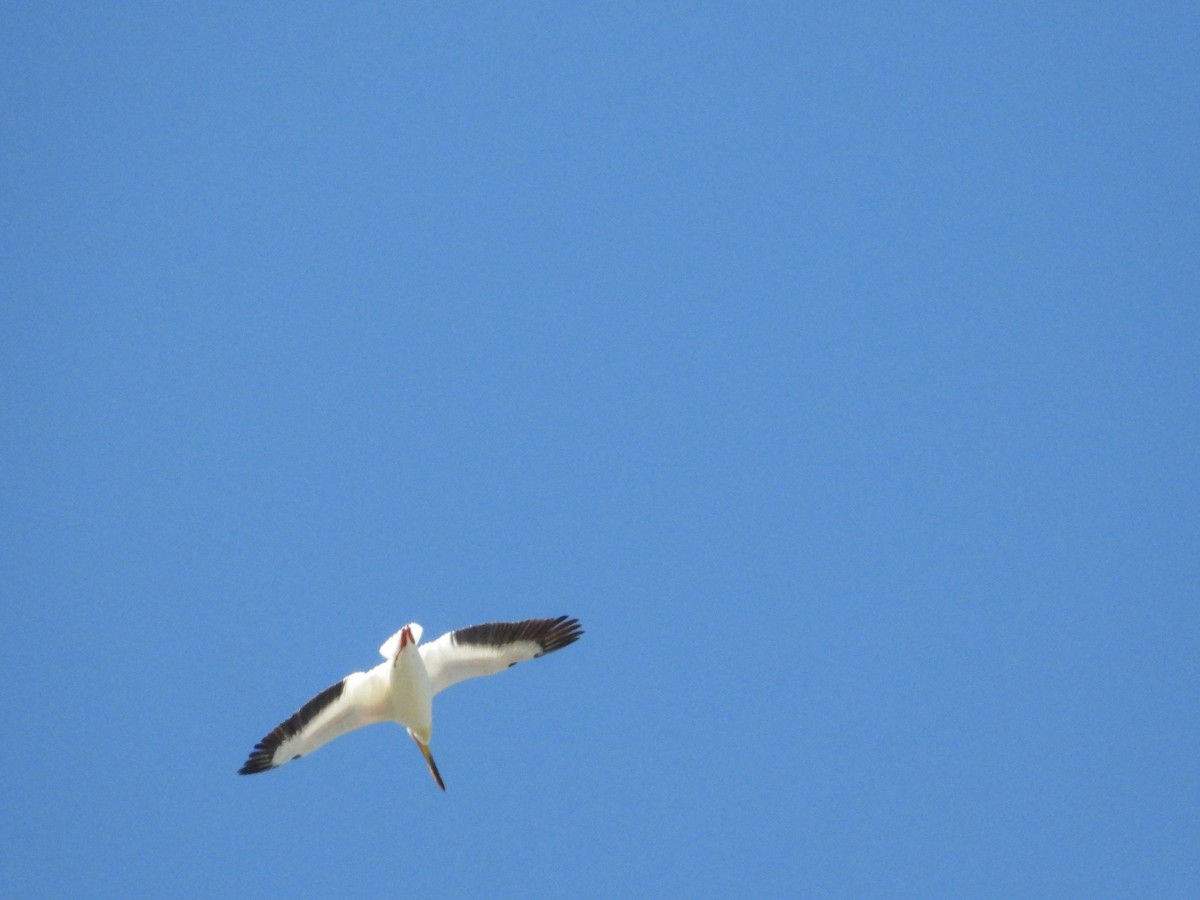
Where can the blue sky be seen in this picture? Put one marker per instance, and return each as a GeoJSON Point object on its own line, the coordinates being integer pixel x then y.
{"type": "Point", "coordinates": [835, 364]}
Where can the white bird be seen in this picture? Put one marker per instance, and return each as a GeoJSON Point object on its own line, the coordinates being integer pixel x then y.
{"type": "Point", "coordinates": [401, 689]}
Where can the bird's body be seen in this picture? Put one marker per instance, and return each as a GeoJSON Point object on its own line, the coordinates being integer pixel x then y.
{"type": "Point", "coordinates": [402, 687]}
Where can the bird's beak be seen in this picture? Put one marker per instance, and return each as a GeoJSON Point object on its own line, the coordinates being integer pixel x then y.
{"type": "Point", "coordinates": [433, 769]}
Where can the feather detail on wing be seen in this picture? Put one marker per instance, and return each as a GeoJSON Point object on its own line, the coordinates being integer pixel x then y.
{"type": "Point", "coordinates": [353, 702]}
{"type": "Point", "coordinates": [494, 647]}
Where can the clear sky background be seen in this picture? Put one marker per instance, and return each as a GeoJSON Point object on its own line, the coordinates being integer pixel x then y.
{"type": "Point", "coordinates": [837, 365]}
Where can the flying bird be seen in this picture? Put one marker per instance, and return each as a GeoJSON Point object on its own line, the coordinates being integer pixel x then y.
{"type": "Point", "coordinates": [401, 689]}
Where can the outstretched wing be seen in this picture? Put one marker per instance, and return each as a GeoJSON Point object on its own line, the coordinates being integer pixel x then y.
{"type": "Point", "coordinates": [488, 649]}
{"type": "Point", "coordinates": [353, 702]}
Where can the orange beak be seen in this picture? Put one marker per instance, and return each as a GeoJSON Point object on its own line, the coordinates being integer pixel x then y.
{"type": "Point", "coordinates": [433, 769]}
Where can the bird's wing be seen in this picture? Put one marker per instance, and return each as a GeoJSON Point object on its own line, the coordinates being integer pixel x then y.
{"type": "Point", "coordinates": [355, 701]}
{"type": "Point", "coordinates": [488, 649]}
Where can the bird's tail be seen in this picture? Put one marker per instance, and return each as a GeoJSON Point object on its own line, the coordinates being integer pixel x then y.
{"type": "Point", "coordinates": [391, 646]}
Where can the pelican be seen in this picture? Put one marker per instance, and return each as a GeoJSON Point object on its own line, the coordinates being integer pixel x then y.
{"type": "Point", "coordinates": [402, 687]}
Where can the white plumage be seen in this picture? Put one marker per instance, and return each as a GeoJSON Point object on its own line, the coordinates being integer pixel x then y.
{"type": "Point", "coordinates": [401, 689]}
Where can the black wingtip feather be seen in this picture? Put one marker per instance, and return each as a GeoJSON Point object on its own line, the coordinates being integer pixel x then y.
{"type": "Point", "coordinates": [549, 634]}
{"type": "Point", "coordinates": [260, 758]}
